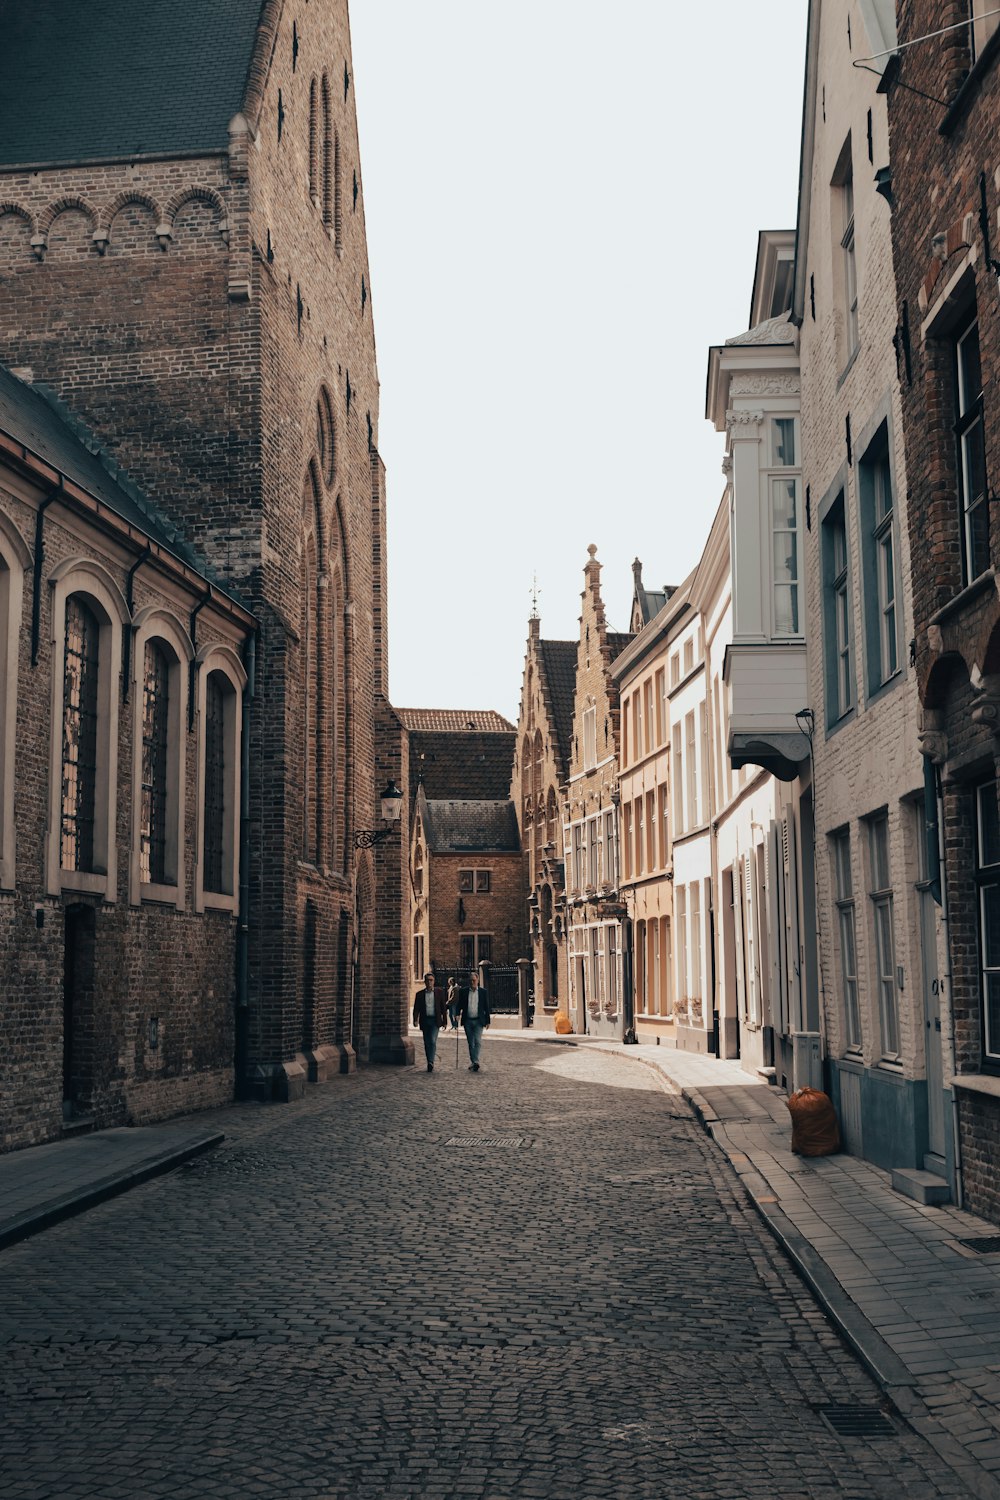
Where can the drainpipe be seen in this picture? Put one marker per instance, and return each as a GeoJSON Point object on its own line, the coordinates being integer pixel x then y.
{"type": "Point", "coordinates": [127, 634]}
{"type": "Point", "coordinates": [242, 1019]}
{"type": "Point", "coordinates": [957, 1137]}
{"type": "Point", "coordinates": [193, 667]}
{"type": "Point", "coordinates": [36, 596]}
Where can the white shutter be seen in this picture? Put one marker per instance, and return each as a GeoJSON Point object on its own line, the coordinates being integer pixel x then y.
{"type": "Point", "coordinates": [776, 926]}
{"type": "Point", "coordinates": [741, 992]}
{"type": "Point", "coordinates": [753, 1009]}
{"type": "Point", "coordinates": [791, 886]}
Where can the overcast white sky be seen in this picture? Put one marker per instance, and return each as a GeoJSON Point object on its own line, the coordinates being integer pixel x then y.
{"type": "Point", "coordinates": [562, 203]}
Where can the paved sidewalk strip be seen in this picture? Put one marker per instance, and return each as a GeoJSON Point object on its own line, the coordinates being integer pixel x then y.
{"type": "Point", "coordinates": [922, 1312]}
{"type": "Point", "coordinates": [42, 1184]}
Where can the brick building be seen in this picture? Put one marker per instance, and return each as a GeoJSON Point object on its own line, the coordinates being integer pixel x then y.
{"type": "Point", "coordinates": [943, 97]}
{"type": "Point", "coordinates": [541, 767]}
{"type": "Point", "coordinates": [121, 762]}
{"type": "Point", "coordinates": [184, 263]}
{"type": "Point", "coordinates": [594, 912]}
{"type": "Point", "coordinates": [467, 893]}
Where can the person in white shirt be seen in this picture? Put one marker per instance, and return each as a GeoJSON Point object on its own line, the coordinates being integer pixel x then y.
{"type": "Point", "coordinates": [474, 1013]}
{"type": "Point", "coordinates": [429, 1014]}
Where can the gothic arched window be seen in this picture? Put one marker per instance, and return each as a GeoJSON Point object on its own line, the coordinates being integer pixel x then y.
{"type": "Point", "coordinates": [154, 826]}
{"type": "Point", "coordinates": [81, 663]}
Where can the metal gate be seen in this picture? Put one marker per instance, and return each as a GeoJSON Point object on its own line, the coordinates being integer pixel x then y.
{"type": "Point", "coordinates": [500, 981]}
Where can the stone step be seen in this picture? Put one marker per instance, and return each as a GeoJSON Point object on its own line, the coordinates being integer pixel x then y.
{"type": "Point", "coordinates": [77, 1125]}
{"type": "Point", "coordinates": [923, 1187]}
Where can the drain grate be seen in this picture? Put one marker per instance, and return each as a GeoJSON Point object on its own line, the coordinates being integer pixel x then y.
{"type": "Point", "coordinates": [488, 1140]}
{"type": "Point", "coordinates": [983, 1244]}
{"type": "Point", "coordinates": [857, 1421]}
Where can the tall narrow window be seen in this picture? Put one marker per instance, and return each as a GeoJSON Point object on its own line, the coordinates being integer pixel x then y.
{"type": "Point", "coordinates": [647, 692]}
{"type": "Point", "coordinates": [216, 770]}
{"type": "Point", "coordinates": [844, 889]}
{"type": "Point", "coordinates": [694, 897]}
{"type": "Point", "coordinates": [680, 916]}
{"type": "Point", "coordinates": [850, 260]}
{"type": "Point", "coordinates": [677, 779]}
{"type": "Point", "coordinates": [79, 736]}
{"type": "Point", "coordinates": [691, 788]}
{"type": "Point", "coordinates": [885, 944]}
{"type": "Point", "coordinates": [610, 849]}
{"type": "Point", "coordinates": [988, 877]}
{"type": "Point", "coordinates": [885, 554]}
{"type": "Point", "coordinates": [155, 765]}
{"type": "Point", "coordinates": [639, 837]}
{"type": "Point", "coordinates": [661, 707]}
{"type": "Point", "coordinates": [837, 612]}
{"type": "Point", "coordinates": [784, 503]}
{"type": "Point", "coordinates": [589, 738]}
{"type": "Point", "coordinates": [971, 454]}
{"type": "Point", "coordinates": [651, 831]}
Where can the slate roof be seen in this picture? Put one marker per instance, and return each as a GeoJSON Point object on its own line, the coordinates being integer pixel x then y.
{"type": "Point", "coordinates": [454, 827]}
{"type": "Point", "coordinates": [618, 641]}
{"type": "Point", "coordinates": [38, 420]}
{"type": "Point", "coordinates": [452, 719]}
{"type": "Point", "coordinates": [92, 80]}
{"type": "Point", "coordinates": [462, 764]}
{"type": "Point", "coordinates": [558, 662]}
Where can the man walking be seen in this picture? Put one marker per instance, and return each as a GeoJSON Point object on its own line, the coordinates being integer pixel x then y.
{"type": "Point", "coordinates": [429, 1015]}
{"type": "Point", "coordinates": [474, 1013]}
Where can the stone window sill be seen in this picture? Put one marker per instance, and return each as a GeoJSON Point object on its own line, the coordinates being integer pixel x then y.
{"type": "Point", "coordinates": [978, 1083]}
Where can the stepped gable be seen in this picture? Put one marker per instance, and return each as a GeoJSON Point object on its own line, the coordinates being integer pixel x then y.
{"type": "Point", "coordinates": [106, 80]}
{"type": "Point", "coordinates": [38, 421]}
{"type": "Point", "coordinates": [467, 827]}
{"type": "Point", "coordinates": [558, 663]}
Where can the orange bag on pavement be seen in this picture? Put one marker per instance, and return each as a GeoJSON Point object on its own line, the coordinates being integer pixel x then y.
{"type": "Point", "coordinates": [815, 1131]}
{"type": "Point", "coordinates": [562, 1023]}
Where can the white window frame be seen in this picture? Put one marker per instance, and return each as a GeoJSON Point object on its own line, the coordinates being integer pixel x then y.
{"type": "Point", "coordinates": [847, 937]}
{"type": "Point", "coordinates": [884, 937]}
{"type": "Point", "coordinates": [84, 576]}
{"type": "Point", "coordinates": [884, 537]}
{"type": "Point", "coordinates": [217, 657]}
{"type": "Point", "coordinates": [15, 559]}
{"type": "Point", "coordinates": [159, 625]}
{"type": "Point", "coordinates": [777, 473]}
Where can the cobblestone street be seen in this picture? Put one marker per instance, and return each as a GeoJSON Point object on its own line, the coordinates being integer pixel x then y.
{"type": "Point", "coordinates": [338, 1303]}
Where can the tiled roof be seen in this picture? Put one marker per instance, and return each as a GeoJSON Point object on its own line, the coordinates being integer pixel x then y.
{"type": "Point", "coordinates": [463, 764]}
{"type": "Point", "coordinates": [558, 661]}
{"type": "Point", "coordinates": [106, 79]}
{"type": "Point", "coordinates": [36, 418]}
{"type": "Point", "coordinates": [452, 719]}
{"type": "Point", "coordinates": [618, 641]}
{"type": "Point", "coordinates": [471, 827]}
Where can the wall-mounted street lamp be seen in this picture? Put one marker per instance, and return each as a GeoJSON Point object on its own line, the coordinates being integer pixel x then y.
{"type": "Point", "coordinates": [392, 809]}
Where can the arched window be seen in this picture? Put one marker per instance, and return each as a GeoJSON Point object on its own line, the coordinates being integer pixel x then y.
{"type": "Point", "coordinates": [87, 615]}
{"type": "Point", "coordinates": [81, 669]}
{"type": "Point", "coordinates": [337, 206]}
{"type": "Point", "coordinates": [221, 684]}
{"type": "Point", "coordinates": [338, 667]}
{"type": "Point", "coordinates": [216, 777]}
{"type": "Point", "coordinates": [154, 823]}
{"type": "Point", "coordinates": [14, 558]}
{"type": "Point", "coordinates": [311, 757]}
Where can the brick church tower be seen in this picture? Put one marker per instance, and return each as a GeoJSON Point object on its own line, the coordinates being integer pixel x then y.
{"type": "Point", "coordinates": [183, 260]}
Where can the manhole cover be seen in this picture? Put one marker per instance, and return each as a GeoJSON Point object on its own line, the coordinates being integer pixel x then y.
{"type": "Point", "coordinates": [857, 1421]}
{"type": "Point", "coordinates": [983, 1244]}
{"type": "Point", "coordinates": [488, 1140]}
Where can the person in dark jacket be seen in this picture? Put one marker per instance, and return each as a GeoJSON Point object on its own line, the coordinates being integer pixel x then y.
{"type": "Point", "coordinates": [474, 1013]}
{"type": "Point", "coordinates": [429, 1014]}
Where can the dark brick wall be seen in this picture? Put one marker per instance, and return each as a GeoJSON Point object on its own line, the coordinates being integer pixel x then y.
{"type": "Point", "coordinates": [945, 228]}
{"type": "Point", "coordinates": [200, 359]}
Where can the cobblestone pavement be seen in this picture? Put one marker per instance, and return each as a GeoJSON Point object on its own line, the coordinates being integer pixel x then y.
{"type": "Point", "coordinates": [337, 1303]}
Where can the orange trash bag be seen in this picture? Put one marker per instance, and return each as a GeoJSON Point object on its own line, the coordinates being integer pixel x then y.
{"type": "Point", "coordinates": [563, 1024]}
{"type": "Point", "coordinates": [815, 1131]}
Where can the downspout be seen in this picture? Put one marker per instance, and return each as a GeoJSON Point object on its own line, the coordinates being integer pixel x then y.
{"type": "Point", "coordinates": [36, 596]}
{"type": "Point", "coordinates": [127, 633]}
{"type": "Point", "coordinates": [192, 668]}
{"type": "Point", "coordinates": [242, 1018]}
{"type": "Point", "coordinates": [957, 1136]}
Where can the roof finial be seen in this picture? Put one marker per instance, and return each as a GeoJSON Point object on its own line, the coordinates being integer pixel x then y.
{"type": "Point", "coordinates": [535, 591]}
